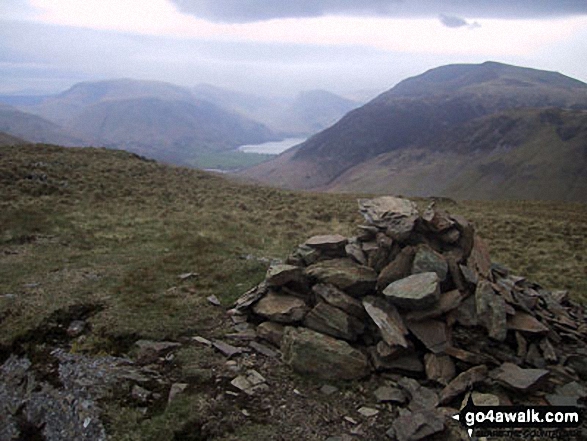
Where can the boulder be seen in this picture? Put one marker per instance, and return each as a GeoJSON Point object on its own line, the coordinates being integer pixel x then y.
{"type": "Point", "coordinates": [354, 279]}
{"type": "Point", "coordinates": [333, 321]}
{"type": "Point", "coordinates": [281, 308]}
{"type": "Point", "coordinates": [317, 354]}
{"type": "Point", "coordinates": [418, 291]}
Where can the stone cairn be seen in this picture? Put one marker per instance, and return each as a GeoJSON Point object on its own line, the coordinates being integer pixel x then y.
{"type": "Point", "coordinates": [417, 295]}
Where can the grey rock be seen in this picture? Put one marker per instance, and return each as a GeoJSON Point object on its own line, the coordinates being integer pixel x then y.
{"type": "Point", "coordinates": [334, 322]}
{"type": "Point", "coordinates": [397, 269]}
{"type": "Point", "coordinates": [427, 260]}
{"type": "Point", "coordinates": [226, 349]}
{"type": "Point", "coordinates": [140, 394]}
{"type": "Point", "coordinates": [463, 382]}
{"type": "Point", "coordinates": [328, 389]}
{"type": "Point", "coordinates": [421, 398]}
{"type": "Point", "coordinates": [491, 309]}
{"type": "Point", "coordinates": [317, 354]}
{"type": "Point", "coordinates": [406, 362]}
{"type": "Point", "coordinates": [388, 320]}
{"type": "Point", "coordinates": [418, 425]}
{"type": "Point", "coordinates": [148, 351]}
{"type": "Point", "coordinates": [250, 297]}
{"type": "Point", "coordinates": [175, 390]}
{"type": "Point", "coordinates": [479, 260]}
{"type": "Point", "coordinates": [396, 215]}
{"type": "Point", "coordinates": [354, 279]}
{"type": "Point", "coordinates": [447, 302]}
{"type": "Point", "coordinates": [355, 251]}
{"type": "Point", "coordinates": [517, 378]}
{"type": "Point", "coordinates": [466, 313]}
{"type": "Point", "coordinates": [436, 220]}
{"type": "Point", "coordinates": [439, 368]}
{"type": "Point", "coordinates": [335, 297]}
{"type": "Point", "coordinates": [271, 332]}
{"type": "Point", "coordinates": [387, 394]}
{"type": "Point", "coordinates": [418, 291]}
{"type": "Point", "coordinates": [263, 350]}
{"type": "Point", "coordinates": [367, 412]}
{"type": "Point", "coordinates": [330, 244]}
{"type": "Point", "coordinates": [523, 321]}
{"type": "Point", "coordinates": [281, 308]}
{"type": "Point", "coordinates": [433, 333]}
{"type": "Point", "coordinates": [279, 275]}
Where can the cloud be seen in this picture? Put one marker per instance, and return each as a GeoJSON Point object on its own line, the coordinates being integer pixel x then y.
{"type": "Point", "coordinates": [239, 11]}
{"type": "Point", "coordinates": [451, 21]}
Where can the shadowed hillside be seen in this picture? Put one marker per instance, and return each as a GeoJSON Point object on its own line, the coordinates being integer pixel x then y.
{"type": "Point", "coordinates": [411, 120]}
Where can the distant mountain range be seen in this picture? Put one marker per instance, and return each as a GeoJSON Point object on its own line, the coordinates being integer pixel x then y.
{"type": "Point", "coordinates": [487, 131]}
{"type": "Point", "coordinates": [165, 121]}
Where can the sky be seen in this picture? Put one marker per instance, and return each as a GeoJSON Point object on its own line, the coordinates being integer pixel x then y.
{"type": "Point", "coordinates": [276, 47]}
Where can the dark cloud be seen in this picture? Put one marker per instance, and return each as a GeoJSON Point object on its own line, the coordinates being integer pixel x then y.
{"type": "Point", "coordinates": [256, 10]}
{"type": "Point", "coordinates": [451, 21]}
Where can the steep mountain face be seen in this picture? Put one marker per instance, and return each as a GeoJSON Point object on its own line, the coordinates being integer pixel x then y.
{"type": "Point", "coordinates": [171, 130]}
{"type": "Point", "coordinates": [427, 114]}
{"type": "Point", "coordinates": [34, 128]}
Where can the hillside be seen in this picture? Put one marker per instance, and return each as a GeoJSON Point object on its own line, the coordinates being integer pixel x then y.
{"type": "Point", "coordinates": [133, 249]}
{"type": "Point", "coordinates": [34, 128]}
{"type": "Point", "coordinates": [6, 140]}
{"type": "Point", "coordinates": [171, 130]}
{"type": "Point", "coordinates": [416, 114]}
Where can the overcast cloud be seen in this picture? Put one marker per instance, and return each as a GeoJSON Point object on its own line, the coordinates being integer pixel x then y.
{"type": "Point", "coordinates": [256, 10]}
{"type": "Point", "coordinates": [280, 47]}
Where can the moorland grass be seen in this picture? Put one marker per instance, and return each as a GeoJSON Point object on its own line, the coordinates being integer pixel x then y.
{"type": "Point", "coordinates": [107, 227]}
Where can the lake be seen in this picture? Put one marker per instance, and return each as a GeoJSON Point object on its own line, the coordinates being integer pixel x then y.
{"type": "Point", "coordinates": [273, 147]}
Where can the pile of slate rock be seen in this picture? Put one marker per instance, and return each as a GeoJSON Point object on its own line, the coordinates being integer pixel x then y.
{"type": "Point", "coordinates": [417, 294]}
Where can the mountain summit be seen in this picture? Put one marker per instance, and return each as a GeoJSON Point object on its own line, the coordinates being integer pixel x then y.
{"type": "Point", "coordinates": [416, 130]}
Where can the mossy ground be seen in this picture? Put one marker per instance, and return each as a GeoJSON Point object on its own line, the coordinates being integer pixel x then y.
{"type": "Point", "coordinates": [114, 231]}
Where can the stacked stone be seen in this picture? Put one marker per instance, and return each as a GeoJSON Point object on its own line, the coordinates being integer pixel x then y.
{"type": "Point", "coordinates": [417, 294]}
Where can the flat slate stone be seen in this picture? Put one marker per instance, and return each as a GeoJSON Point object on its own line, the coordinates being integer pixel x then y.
{"type": "Point", "coordinates": [271, 332]}
{"type": "Point", "coordinates": [517, 378]}
{"type": "Point", "coordinates": [333, 321]}
{"type": "Point", "coordinates": [433, 333]}
{"type": "Point", "coordinates": [278, 275]}
{"type": "Point", "coordinates": [447, 302]}
{"type": "Point", "coordinates": [480, 259]}
{"type": "Point", "coordinates": [388, 320]}
{"type": "Point", "coordinates": [329, 243]}
{"type": "Point", "coordinates": [418, 291]}
{"type": "Point", "coordinates": [397, 215]}
{"type": "Point", "coordinates": [463, 382]}
{"type": "Point", "coordinates": [354, 279]}
{"type": "Point", "coordinates": [335, 297]}
{"type": "Point", "coordinates": [281, 308]}
{"type": "Point", "coordinates": [387, 394]}
{"type": "Point", "coordinates": [310, 352]}
{"type": "Point", "coordinates": [523, 321]}
{"type": "Point", "coordinates": [397, 269]}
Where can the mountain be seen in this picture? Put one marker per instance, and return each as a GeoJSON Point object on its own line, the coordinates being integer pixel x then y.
{"type": "Point", "coordinates": [172, 130]}
{"type": "Point", "coordinates": [152, 118]}
{"type": "Point", "coordinates": [303, 115]}
{"type": "Point", "coordinates": [34, 128]}
{"type": "Point", "coordinates": [422, 113]}
{"type": "Point", "coordinates": [6, 140]}
{"type": "Point", "coordinates": [68, 104]}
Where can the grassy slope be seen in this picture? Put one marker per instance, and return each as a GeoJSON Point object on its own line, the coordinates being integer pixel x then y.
{"type": "Point", "coordinates": [100, 227]}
